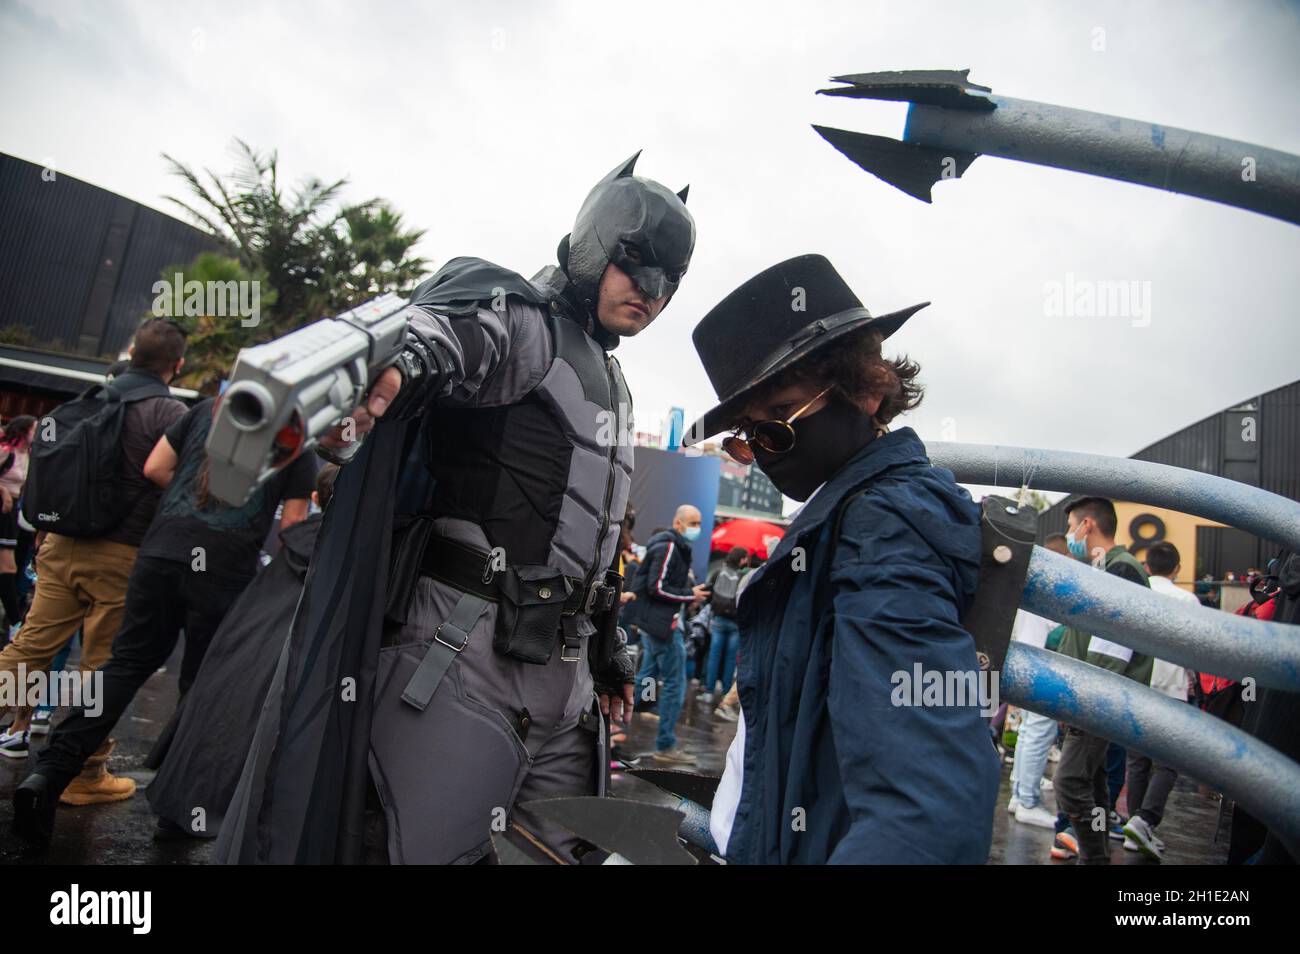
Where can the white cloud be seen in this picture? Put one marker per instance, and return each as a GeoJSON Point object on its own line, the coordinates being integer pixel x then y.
{"type": "Point", "coordinates": [487, 124]}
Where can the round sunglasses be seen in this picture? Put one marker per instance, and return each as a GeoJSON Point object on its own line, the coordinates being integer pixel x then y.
{"type": "Point", "coordinates": [775, 437]}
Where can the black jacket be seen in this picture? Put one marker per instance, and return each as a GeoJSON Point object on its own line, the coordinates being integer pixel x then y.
{"type": "Point", "coordinates": [662, 583]}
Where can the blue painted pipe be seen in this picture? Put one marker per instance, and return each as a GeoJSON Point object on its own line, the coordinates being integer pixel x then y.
{"type": "Point", "coordinates": [1256, 511]}
{"type": "Point", "coordinates": [1207, 640]}
{"type": "Point", "coordinates": [1261, 779]}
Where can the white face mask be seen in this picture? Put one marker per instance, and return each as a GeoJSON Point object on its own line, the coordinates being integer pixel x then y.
{"type": "Point", "coordinates": [691, 533]}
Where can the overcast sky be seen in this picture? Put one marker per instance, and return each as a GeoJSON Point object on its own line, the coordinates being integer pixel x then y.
{"type": "Point", "coordinates": [487, 122]}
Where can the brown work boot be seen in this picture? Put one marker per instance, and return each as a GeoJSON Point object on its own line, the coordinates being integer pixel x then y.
{"type": "Point", "coordinates": [96, 785]}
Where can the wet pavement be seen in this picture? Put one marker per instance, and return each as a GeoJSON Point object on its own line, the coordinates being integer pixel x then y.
{"type": "Point", "coordinates": [122, 833]}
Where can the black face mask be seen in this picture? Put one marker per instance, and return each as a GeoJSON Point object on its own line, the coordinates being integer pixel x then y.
{"type": "Point", "coordinates": [823, 443]}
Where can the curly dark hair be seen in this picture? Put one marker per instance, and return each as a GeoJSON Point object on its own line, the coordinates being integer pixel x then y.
{"type": "Point", "coordinates": [854, 368]}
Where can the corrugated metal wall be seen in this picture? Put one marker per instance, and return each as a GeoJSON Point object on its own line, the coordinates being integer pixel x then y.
{"type": "Point", "coordinates": [1279, 448]}
{"type": "Point", "coordinates": [1201, 446]}
{"type": "Point", "coordinates": [78, 263]}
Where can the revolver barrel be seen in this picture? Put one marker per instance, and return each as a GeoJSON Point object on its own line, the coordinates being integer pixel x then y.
{"type": "Point", "coordinates": [284, 395]}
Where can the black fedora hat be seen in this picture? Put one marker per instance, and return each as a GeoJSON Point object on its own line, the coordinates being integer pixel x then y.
{"type": "Point", "coordinates": [779, 316]}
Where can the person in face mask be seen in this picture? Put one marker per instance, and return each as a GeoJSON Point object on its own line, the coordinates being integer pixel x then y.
{"type": "Point", "coordinates": [867, 585]}
{"type": "Point", "coordinates": [663, 585]}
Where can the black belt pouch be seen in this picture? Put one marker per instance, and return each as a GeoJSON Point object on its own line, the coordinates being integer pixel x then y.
{"type": "Point", "coordinates": [528, 619]}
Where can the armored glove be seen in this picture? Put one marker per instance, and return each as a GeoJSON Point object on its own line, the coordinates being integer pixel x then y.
{"type": "Point", "coordinates": [425, 367]}
{"type": "Point", "coordinates": [618, 671]}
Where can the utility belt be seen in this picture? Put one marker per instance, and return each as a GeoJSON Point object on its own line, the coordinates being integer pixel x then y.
{"type": "Point", "coordinates": [534, 603]}
{"type": "Point", "coordinates": [475, 571]}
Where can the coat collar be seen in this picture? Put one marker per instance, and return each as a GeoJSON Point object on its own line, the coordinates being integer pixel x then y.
{"type": "Point", "coordinates": [671, 535]}
{"type": "Point", "coordinates": [902, 446]}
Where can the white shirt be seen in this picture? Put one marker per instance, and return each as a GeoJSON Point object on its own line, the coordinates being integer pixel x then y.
{"type": "Point", "coordinates": [1031, 629]}
{"type": "Point", "coordinates": [727, 797]}
{"type": "Point", "coordinates": [1166, 678]}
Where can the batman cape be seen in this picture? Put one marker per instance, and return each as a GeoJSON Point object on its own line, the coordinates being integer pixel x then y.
{"type": "Point", "coordinates": [201, 753]}
{"type": "Point", "coordinates": [301, 798]}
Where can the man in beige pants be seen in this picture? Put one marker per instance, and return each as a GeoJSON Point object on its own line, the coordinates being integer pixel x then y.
{"type": "Point", "coordinates": [81, 583]}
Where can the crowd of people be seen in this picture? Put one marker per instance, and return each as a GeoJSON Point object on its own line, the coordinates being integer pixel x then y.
{"type": "Point", "coordinates": [686, 632]}
{"type": "Point", "coordinates": [467, 627]}
{"type": "Point", "coordinates": [176, 562]}
{"type": "Point", "coordinates": [1092, 772]}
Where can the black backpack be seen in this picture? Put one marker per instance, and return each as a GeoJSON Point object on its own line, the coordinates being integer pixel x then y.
{"type": "Point", "coordinates": [726, 586]}
{"type": "Point", "coordinates": [74, 478]}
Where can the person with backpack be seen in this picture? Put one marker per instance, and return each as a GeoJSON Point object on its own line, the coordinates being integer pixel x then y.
{"type": "Point", "coordinates": [829, 764]}
{"type": "Point", "coordinates": [87, 491]}
{"type": "Point", "coordinates": [15, 445]}
{"type": "Point", "coordinates": [724, 584]}
{"type": "Point", "coordinates": [194, 562]}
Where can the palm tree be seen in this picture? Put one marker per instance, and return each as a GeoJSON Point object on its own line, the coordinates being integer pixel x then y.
{"type": "Point", "coordinates": [213, 339]}
{"type": "Point", "coordinates": [300, 240]}
{"type": "Point", "coordinates": [369, 255]}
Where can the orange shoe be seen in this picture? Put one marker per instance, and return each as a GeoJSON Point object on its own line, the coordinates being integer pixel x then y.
{"type": "Point", "coordinates": [105, 787]}
{"type": "Point", "coordinates": [96, 785]}
{"type": "Point", "coordinates": [1066, 846]}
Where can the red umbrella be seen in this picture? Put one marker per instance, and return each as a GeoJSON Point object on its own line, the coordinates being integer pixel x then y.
{"type": "Point", "coordinates": [757, 536]}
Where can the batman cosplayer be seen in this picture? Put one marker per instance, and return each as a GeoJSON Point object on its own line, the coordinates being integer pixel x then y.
{"type": "Point", "coordinates": [445, 660]}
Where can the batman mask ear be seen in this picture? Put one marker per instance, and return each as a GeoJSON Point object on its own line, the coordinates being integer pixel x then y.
{"type": "Point", "coordinates": [682, 195]}
{"type": "Point", "coordinates": [623, 169]}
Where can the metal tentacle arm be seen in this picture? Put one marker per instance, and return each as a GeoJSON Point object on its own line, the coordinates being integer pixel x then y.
{"type": "Point", "coordinates": [1072, 592]}
{"type": "Point", "coordinates": [695, 825]}
{"type": "Point", "coordinates": [1256, 511]}
{"type": "Point", "coordinates": [952, 121]}
{"type": "Point", "coordinates": [1210, 750]}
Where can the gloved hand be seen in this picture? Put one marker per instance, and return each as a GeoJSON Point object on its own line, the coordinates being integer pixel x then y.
{"type": "Point", "coordinates": [616, 682]}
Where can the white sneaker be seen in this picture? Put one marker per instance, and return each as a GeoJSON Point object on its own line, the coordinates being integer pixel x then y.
{"type": "Point", "coordinates": [1140, 832]}
{"type": "Point", "coordinates": [1130, 844]}
{"type": "Point", "coordinates": [1037, 816]}
{"type": "Point", "coordinates": [13, 745]}
{"type": "Point", "coordinates": [1047, 785]}
{"type": "Point", "coordinates": [1013, 806]}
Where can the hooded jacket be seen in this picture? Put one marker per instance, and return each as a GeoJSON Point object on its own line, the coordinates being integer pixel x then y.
{"type": "Point", "coordinates": [662, 583]}
{"type": "Point", "coordinates": [834, 771]}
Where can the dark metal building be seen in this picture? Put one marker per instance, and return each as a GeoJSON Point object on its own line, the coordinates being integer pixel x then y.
{"type": "Point", "coordinates": [1256, 442]}
{"type": "Point", "coordinates": [77, 269]}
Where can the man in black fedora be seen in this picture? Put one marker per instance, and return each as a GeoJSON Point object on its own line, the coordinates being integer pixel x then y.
{"type": "Point", "coordinates": [838, 757]}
